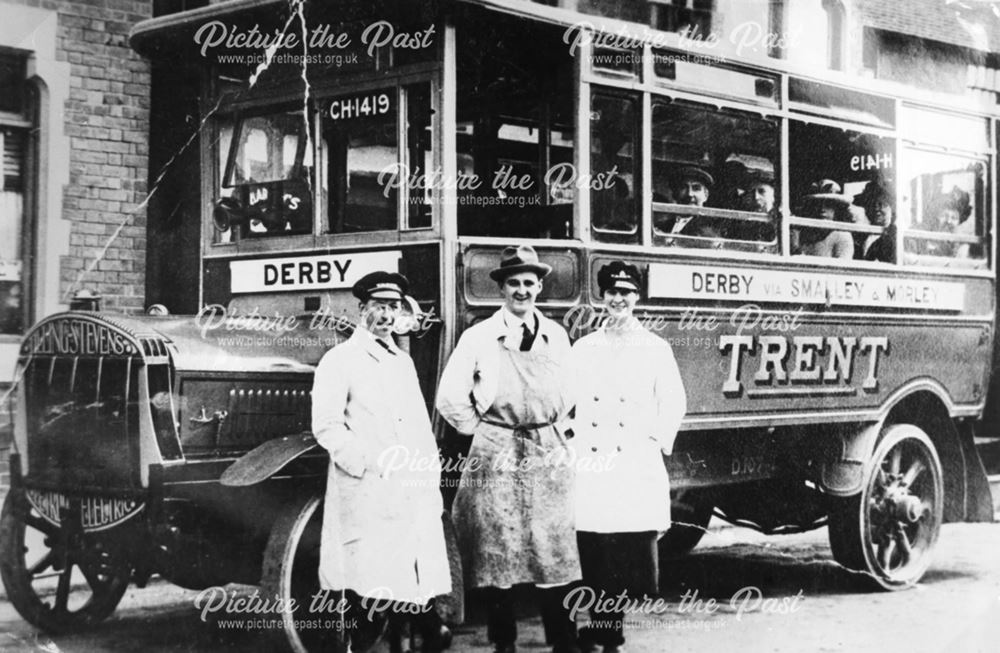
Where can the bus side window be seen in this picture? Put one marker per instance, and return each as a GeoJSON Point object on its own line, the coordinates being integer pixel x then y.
{"type": "Point", "coordinates": [614, 168]}
{"type": "Point", "coordinates": [720, 164]}
{"type": "Point", "coordinates": [946, 209]}
{"type": "Point", "coordinates": [515, 136]}
{"type": "Point", "coordinates": [845, 179]}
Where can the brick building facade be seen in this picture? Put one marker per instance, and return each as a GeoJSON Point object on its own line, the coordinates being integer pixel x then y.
{"type": "Point", "coordinates": [75, 163]}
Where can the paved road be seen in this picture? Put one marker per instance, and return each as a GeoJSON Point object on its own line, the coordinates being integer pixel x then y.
{"type": "Point", "coordinates": [778, 594]}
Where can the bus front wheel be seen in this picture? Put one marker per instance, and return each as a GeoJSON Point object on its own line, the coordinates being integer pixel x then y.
{"type": "Point", "coordinates": [291, 578]}
{"type": "Point", "coordinates": [59, 582]}
{"type": "Point", "coordinates": [888, 531]}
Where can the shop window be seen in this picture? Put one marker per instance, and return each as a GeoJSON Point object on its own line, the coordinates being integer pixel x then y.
{"type": "Point", "coordinates": [692, 16]}
{"type": "Point", "coordinates": [842, 190]}
{"type": "Point", "coordinates": [713, 177]}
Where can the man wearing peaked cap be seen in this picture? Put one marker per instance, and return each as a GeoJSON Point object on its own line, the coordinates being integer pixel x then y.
{"type": "Point", "coordinates": [618, 275]}
{"type": "Point", "coordinates": [506, 385]}
{"type": "Point", "coordinates": [381, 285]}
{"type": "Point", "coordinates": [630, 400]}
{"type": "Point", "coordinates": [382, 528]}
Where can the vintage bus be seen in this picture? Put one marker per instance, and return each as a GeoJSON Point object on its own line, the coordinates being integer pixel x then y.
{"type": "Point", "coordinates": [838, 361]}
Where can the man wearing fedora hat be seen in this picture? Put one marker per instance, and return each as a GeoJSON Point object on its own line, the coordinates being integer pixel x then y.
{"type": "Point", "coordinates": [825, 201]}
{"type": "Point", "coordinates": [382, 536]}
{"type": "Point", "coordinates": [506, 385]}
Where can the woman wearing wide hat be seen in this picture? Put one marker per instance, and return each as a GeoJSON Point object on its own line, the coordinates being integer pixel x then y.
{"type": "Point", "coordinates": [825, 201]}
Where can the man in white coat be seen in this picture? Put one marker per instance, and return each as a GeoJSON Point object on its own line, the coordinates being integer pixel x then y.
{"type": "Point", "coordinates": [383, 541]}
{"type": "Point", "coordinates": [630, 400]}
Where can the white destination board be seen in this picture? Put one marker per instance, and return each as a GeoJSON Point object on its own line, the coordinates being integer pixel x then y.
{"type": "Point", "coordinates": [742, 284]}
{"type": "Point", "coordinates": [324, 272]}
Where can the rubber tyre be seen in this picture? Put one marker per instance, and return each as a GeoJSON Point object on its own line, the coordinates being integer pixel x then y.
{"type": "Point", "coordinates": [689, 517]}
{"type": "Point", "coordinates": [867, 536]}
{"type": "Point", "coordinates": [291, 571]}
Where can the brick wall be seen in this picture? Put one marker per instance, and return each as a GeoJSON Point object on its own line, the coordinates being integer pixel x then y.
{"type": "Point", "coordinates": [107, 122]}
{"type": "Point", "coordinates": [105, 126]}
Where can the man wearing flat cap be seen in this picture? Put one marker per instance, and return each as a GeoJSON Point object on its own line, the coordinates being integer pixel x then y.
{"type": "Point", "coordinates": [691, 186]}
{"type": "Point", "coordinates": [506, 385]}
{"type": "Point", "coordinates": [382, 536]}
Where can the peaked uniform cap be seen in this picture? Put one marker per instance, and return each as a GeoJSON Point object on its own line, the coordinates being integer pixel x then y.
{"type": "Point", "coordinates": [381, 285]}
{"type": "Point", "coordinates": [619, 274]}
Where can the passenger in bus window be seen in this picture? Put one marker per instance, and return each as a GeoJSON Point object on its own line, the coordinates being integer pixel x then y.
{"type": "Point", "coordinates": [757, 196]}
{"type": "Point", "coordinates": [507, 385]}
{"type": "Point", "coordinates": [691, 186]}
{"type": "Point", "coordinates": [947, 213]}
{"type": "Point", "coordinates": [877, 202]}
{"type": "Point", "coordinates": [825, 202]}
{"type": "Point", "coordinates": [612, 206]}
{"type": "Point", "coordinates": [630, 401]}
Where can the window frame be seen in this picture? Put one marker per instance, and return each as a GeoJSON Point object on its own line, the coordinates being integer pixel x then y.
{"type": "Point", "coordinates": [27, 121]}
{"type": "Point", "coordinates": [648, 88]}
{"type": "Point", "coordinates": [324, 91]}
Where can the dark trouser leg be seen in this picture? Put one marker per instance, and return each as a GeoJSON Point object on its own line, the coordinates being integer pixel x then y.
{"type": "Point", "coordinates": [431, 628]}
{"type": "Point", "coordinates": [501, 626]}
{"type": "Point", "coordinates": [611, 631]}
{"type": "Point", "coordinates": [560, 630]}
{"type": "Point", "coordinates": [364, 627]}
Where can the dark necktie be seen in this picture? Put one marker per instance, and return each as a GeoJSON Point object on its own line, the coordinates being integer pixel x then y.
{"type": "Point", "coordinates": [527, 338]}
{"type": "Point", "coordinates": [385, 345]}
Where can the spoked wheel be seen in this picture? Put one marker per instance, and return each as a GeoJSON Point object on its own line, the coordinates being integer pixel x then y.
{"type": "Point", "coordinates": [58, 582]}
{"type": "Point", "coordinates": [291, 571]}
{"type": "Point", "coordinates": [889, 530]}
{"type": "Point", "coordinates": [689, 516]}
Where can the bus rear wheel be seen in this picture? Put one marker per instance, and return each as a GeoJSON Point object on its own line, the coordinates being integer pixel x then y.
{"type": "Point", "coordinates": [57, 582]}
{"type": "Point", "coordinates": [888, 531]}
{"type": "Point", "coordinates": [689, 517]}
{"type": "Point", "coordinates": [291, 571]}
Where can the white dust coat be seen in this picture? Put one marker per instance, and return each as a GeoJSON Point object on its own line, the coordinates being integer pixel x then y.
{"type": "Point", "coordinates": [629, 404]}
{"type": "Point", "coordinates": [382, 530]}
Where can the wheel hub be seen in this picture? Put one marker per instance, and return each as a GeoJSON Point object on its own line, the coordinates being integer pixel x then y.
{"type": "Point", "coordinates": [903, 506]}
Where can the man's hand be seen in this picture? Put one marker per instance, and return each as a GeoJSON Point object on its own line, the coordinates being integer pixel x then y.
{"type": "Point", "coordinates": [353, 458]}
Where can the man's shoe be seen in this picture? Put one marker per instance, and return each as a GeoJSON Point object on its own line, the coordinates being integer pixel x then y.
{"type": "Point", "coordinates": [505, 648]}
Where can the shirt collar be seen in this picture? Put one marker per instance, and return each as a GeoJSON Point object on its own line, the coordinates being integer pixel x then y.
{"type": "Point", "coordinates": [512, 321]}
{"type": "Point", "coordinates": [511, 331]}
{"type": "Point", "coordinates": [368, 341]}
